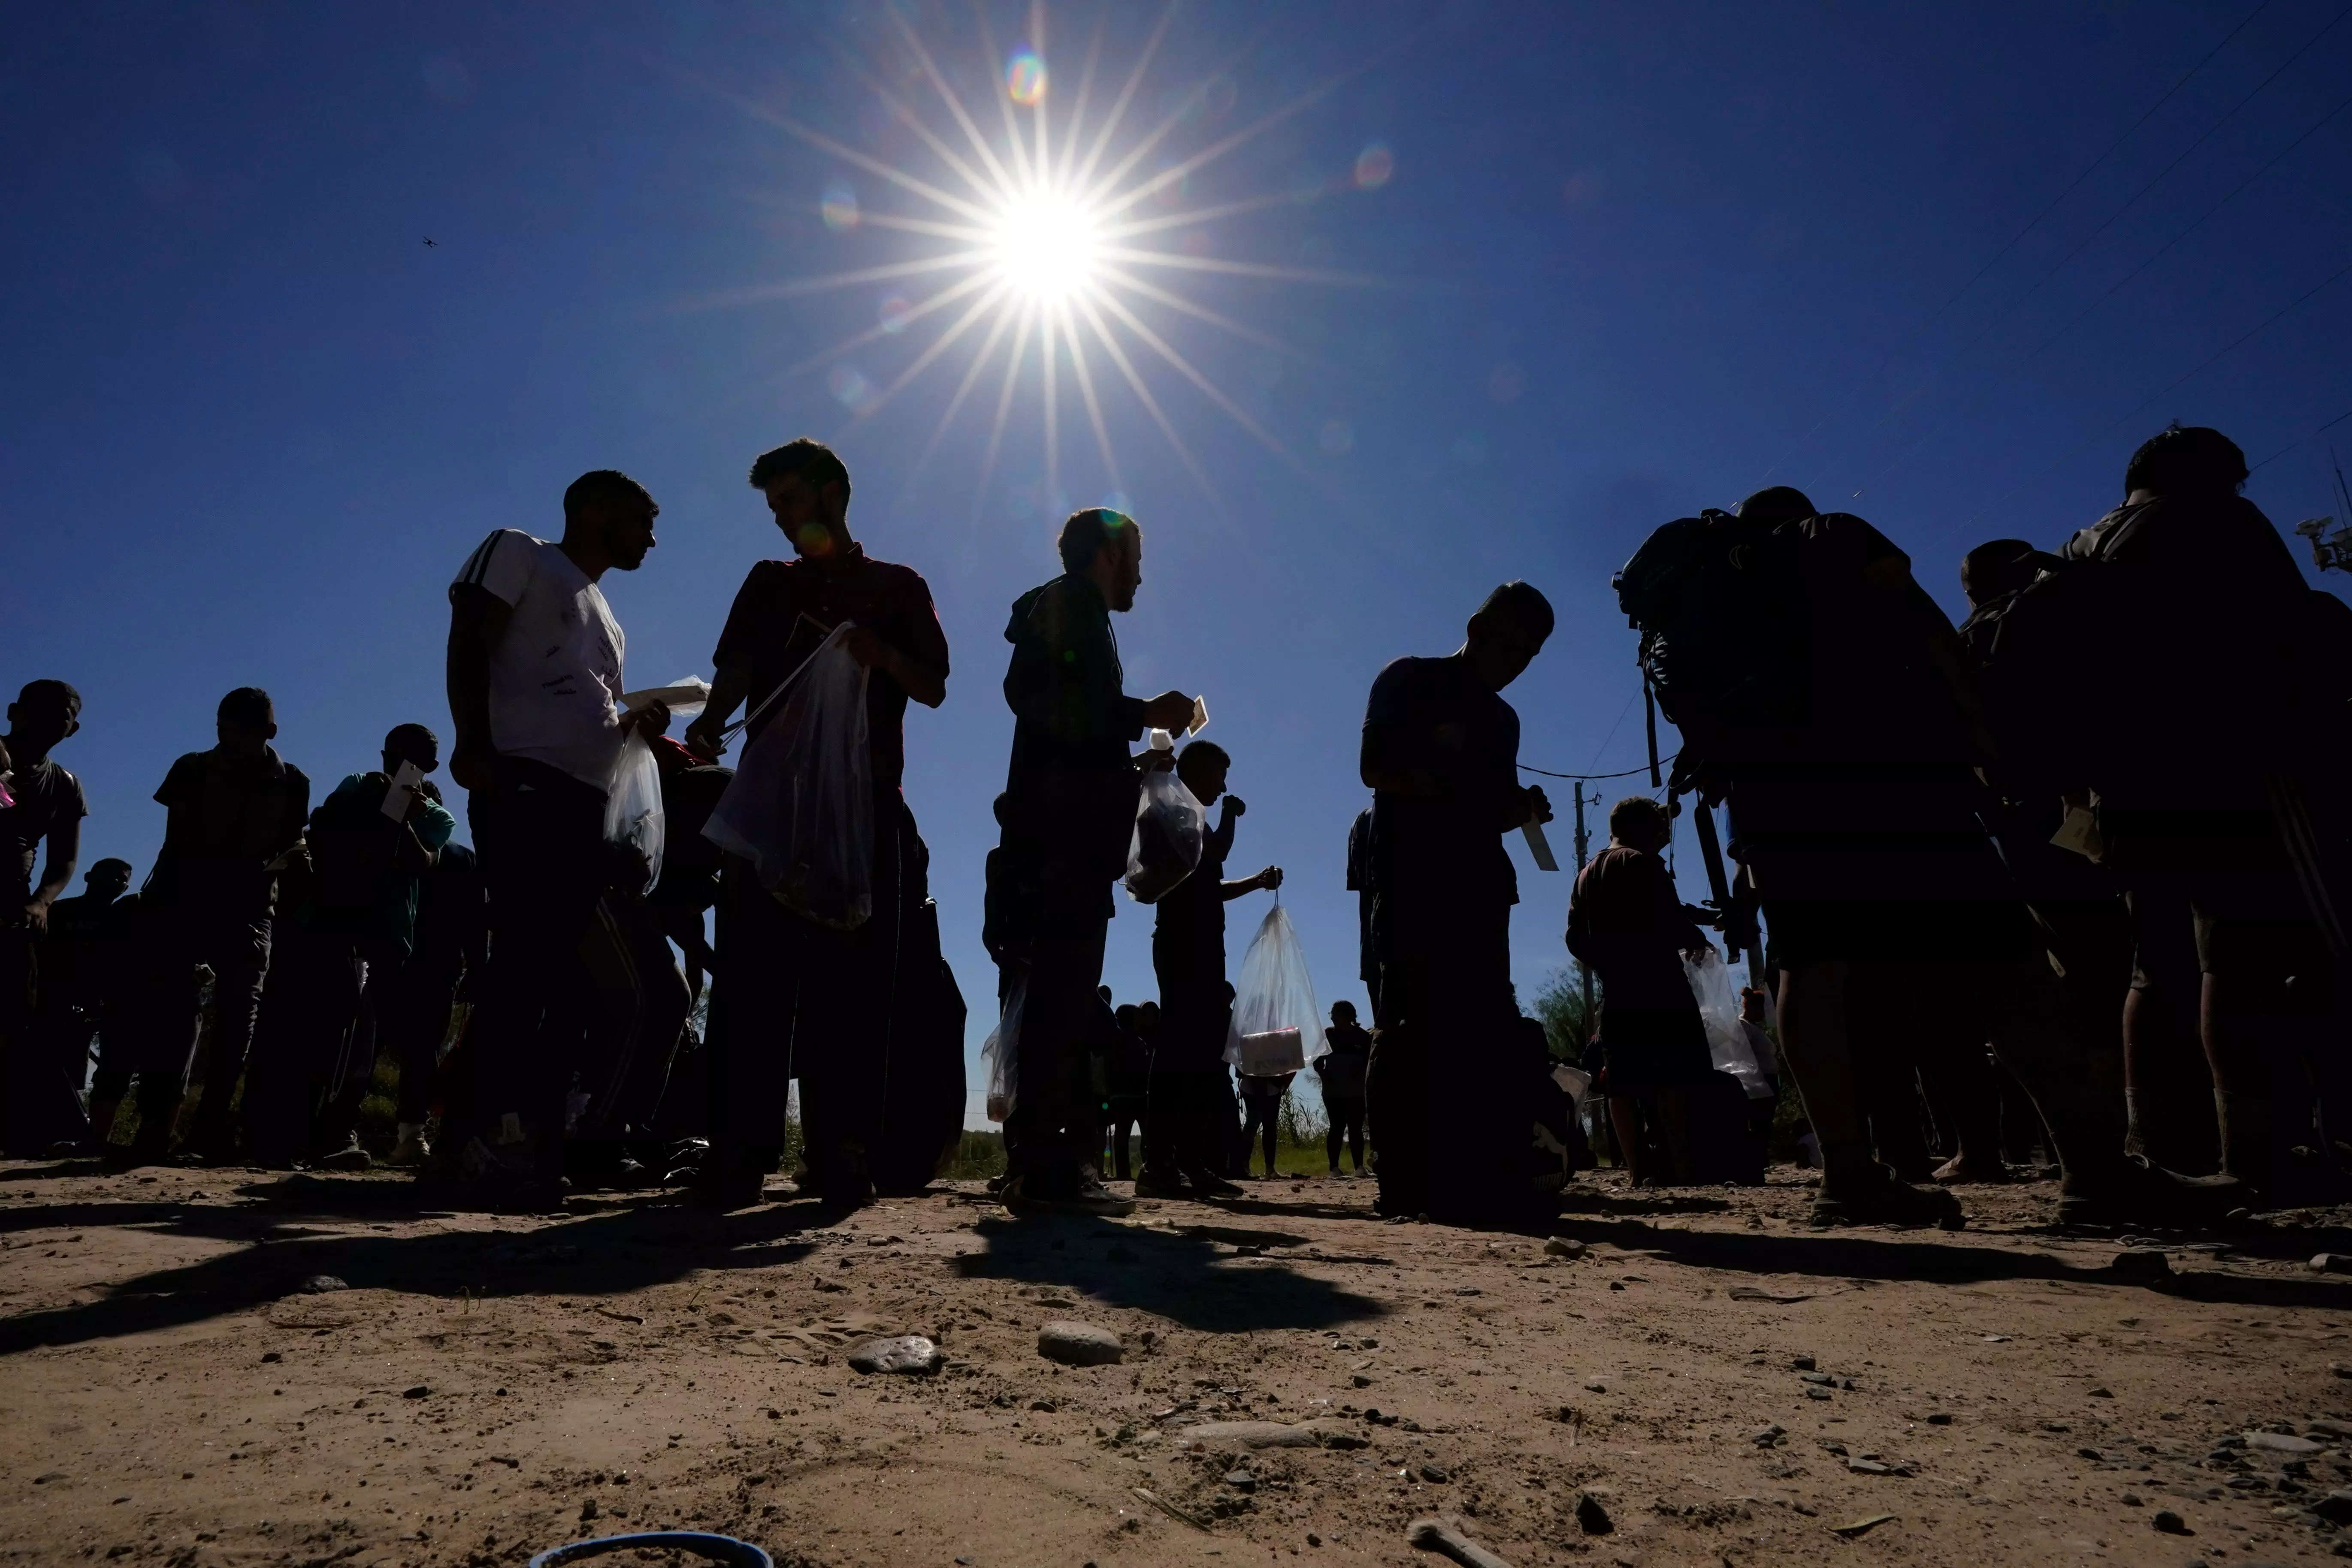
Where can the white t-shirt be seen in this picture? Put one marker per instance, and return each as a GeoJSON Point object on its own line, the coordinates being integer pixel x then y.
{"type": "Point", "coordinates": [555, 678]}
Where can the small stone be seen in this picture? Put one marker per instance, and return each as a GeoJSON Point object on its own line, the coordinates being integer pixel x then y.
{"type": "Point", "coordinates": [910, 1355]}
{"type": "Point", "coordinates": [1047, 1405]}
{"type": "Point", "coordinates": [1765, 1437]}
{"type": "Point", "coordinates": [1614, 1285]}
{"type": "Point", "coordinates": [2336, 1507]}
{"type": "Point", "coordinates": [1240, 1480]}
{"type": "Point", "coordinates": [1596, 1386]}
{"type": "Point", "coordinates": [1801, 1362]}
{"type": "Point", "coordinates": [320, 1284]}
{"type": "Point", "coordinates": [2141, 1264]}
{"type": "Point", "coordinates": [2090, 1454]}
{"type": "Point", "coordinates": [419, 1392]}
{"type": "Point", "coordinates": [2283, 1443]}
{"type": "Point", "coordinates": [1313, 1539]}
{"type": "Point", "coordinates": [2340, 1369]}
{"type": "Point", "coordinates": [1939, 1419]}
{"type": "Point", "coordinates": [1435, 1474]}
{"type": "Point", "coordinates": [1360, 1381]}
{"type": "Point", "coordinates": [1078, 1344]}
{"type": "Point", "coordinates": [1565, 1246]}
{"type": "Point", "coordinates": [268, 1356]}
{"type": "Point", "coordinates": [2130, 1499]}
{"type": "Point", "coordinates": [588, 1510]}
{"type": "Point", "coordinates": [1817, 1394]}
{"type": "Point", "coordinates": [2102, 1394]}
{"type": "Point", "coordinates": [1591, 1516]}
{"type": "Point", "coordinates": [1822, 1378]}
{"type": "Point", "coordinates": [2332, 1262]}
{"type": "Point", "coordinates": [2169, 1522]}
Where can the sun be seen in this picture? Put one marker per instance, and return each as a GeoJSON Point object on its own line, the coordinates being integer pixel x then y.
{"type": "Point", "coordinates": [1047, 246]}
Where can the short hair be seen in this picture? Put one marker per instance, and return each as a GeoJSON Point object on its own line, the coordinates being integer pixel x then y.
{"type": "Point", "coordinates": [817, 465]}
{"type": "Point", "coordinates": [1777, 504]}
{"type": "Point", "coordinates": [2193, 460]}
{"type": "Point", "coordinates": [1995, 568]}
{"type": "Point", "coordinates": [1086, 531]}
{"type": "Point", "coordinates": [37, 693]}
{"type": "Point", "coordinates": [1638, 814]}
{"type": "Point", "coordinates": [601, 487]}
{"type": "Point", "coordinates": [1522, 603]}
{"type": "Point", "coordinates": [400, 737]}
{"type": "Point", "coordinates": [247, 708]}
{"type": "Point", "coordinates": [109, 863]}
{"type": "Point", "coordinates": [1343, 1006]}
{"type": "Point", "coordinates": [1209, 751]}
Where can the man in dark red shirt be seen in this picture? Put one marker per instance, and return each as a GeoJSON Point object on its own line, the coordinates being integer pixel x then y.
{"type": "Point", "coordinates": [791, 998]}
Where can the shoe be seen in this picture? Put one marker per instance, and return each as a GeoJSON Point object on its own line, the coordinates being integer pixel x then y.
{"type": "Point", "coordinates": [349, 1157]}
{"type": "Point", "coordinates": [727, 1191]}
{"type": "Point", "coordinates": [1208, 1184]}
{"type": "Point", "coordinates": [2136, 1192]}
{"type": "Point", "coordinates": [1892, 1203]}
{"type": "Point", "coordinates": [1961, 1171]}
{"type": "Point", "coordinates": [1085, 1195]}
{"type": "Point", "coordinates": [411, 1151]}
{"type": "Point", "coordinates": [1151, 1184]}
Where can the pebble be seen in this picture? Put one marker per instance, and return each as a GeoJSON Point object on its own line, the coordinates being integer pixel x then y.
{"type": "Point", "coordinates": [1765, 1437]}
{"type": "Point", "coordinates": [2332, 1262]}
{"type": "Point", "coordinates": [2168, 1522]}
{"type": "Point", "coordinates": [1078, 1344]}
{"type": "Point", "coordinates": [1596, 1386]}
{"type": "Point", "coordinates": [1435, 1474]}
{"type": "Point", "coordinates": [320, 1284]}
{"type": "Point", "coordinates": [2282, 1443]}
{"type": "Point", "coordinates": [1591, 1517]}
{"type": "Point", "coordinates": [1803, 1363]}
{"type": "Point", "coordinates": [2336, 1507]}
{"type": "Point", "coordinates": [419, 1392]}
{"type": "Point", "coordinates": [910, 1354]}
{"type": "Point", "coordinates": [1820, 1378]}
{"type": "Point", "coordinates": [1939, 1419]}
{"type": "Point", "coordinates": [1565, 1246]}
{"type": "Point", "coordinates": [2141, 1263]}
{"type": "Point", "coordinates": [1240, 1480]}
{"type": "Point", "coordinates": [1817, 1394]}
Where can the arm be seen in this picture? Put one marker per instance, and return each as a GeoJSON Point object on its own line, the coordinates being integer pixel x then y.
{"type": "Point", "coordinates": [477, 624]}
{"type": "Point", "coordinates": [57, 872]}
{"type": "Point", "coordinates": [728, 689]}
{"type": "Point", "coordinates": [1386, 764]}
{"type": "Point", "coordinates": [924, 684]}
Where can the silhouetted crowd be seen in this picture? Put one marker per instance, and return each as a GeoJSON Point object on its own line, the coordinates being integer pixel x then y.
{"type": "Point", "coordinates": [2059, 884]}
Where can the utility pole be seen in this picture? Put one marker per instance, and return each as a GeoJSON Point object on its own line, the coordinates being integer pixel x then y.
{"type": "Point", "coordinates": [1583, 853]}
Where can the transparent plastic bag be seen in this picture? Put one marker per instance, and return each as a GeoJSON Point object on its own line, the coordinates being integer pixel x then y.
{"type": "Point", "coordinates": [1171, 827]}
{"type": "Point", "coordinates": [632, 799]}
{"type": "Point", "coordinates": [1277, 1026]}
{"type": "Point", "coordinates": [997, 1054]}
{"type": "Point", "coordinates": [1719, 1008]}
{"type": "Point", "coordinates": [801, 806]}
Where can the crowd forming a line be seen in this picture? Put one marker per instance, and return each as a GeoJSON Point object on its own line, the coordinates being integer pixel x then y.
{"type": "Point", "coordinates": [2062, 878]}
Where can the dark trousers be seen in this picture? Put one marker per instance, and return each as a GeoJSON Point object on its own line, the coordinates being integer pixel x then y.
{"type": "Point", "coordinates": [237, 952]}
{"type": "Point", "coordinates": [1260, 1114]}
{"type": "Point", "coordinates": [1346, 1115]}
{"type": "Point", "coordinates": [1052, 1130]}
{"type": "Point", "coordinates": [44, 1052]}
{"type": "Point", "coordinates": [416, 1022]}
{"type": "Point", "coordinates": [633, 1032]}
{"type": "Point", "coordinates": [1443, 1134]}
{"type": "Point", "coordinates": [1188, 1117]}
{"type": "Point", "coordinates": [302, 1045]}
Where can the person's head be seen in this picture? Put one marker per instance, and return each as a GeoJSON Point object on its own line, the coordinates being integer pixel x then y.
{"type": "Point", "coordinates": [1506, 633]}
{"type": "Point", "coordinates": [1991, 570]}
{"type": "Point", "coordinates": [1147, 1013]}
{"type": "Point", "coordinates": [1124, 1014]}
{"type": "Point", "coordinates": [1203, 765]}
{"type": "Point", "coordinates": [1343, 1012]}
{"type": "Point", "coordinates": [110, 878]}
{"type": "Point", "coordinates": [1775, 505]}
{"type": "Point", "coordinates": [1639, 823]}
{"type": "Point", "coordinates": [1103, 991]}
{"type": "Point", "coordinates": [1107, 548]}
{"type": "Point", "coordinates": [2186, 460]}
{"type": "Point", "coordinates": [45, 712]}
{"type": "Point", "coordinates": [1753, 1003]}
{"type": "Point", "coordinates": [611, 515]}
{"type": "Point", "coordinates": [246, 721]}
{"type": "Point", "coordinates": [411, 743]}
{"type": "Point", "coordinates": [808, 494]}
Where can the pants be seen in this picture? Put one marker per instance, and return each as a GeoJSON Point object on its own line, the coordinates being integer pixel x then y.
{"type": "Point", "coordinates": [1188, 1119]}
{"type": "Point", "coordinates": [1346, 1115]}
{"type": "Point", "coordinates": [164, 1047]}
{"type": "Point", "coordinates": [1260, 1115]}
{"type": "Point", "coordinates": [302, 1044]}
{"type": "Point", "coordinates": [795, 999]}
{"type": "Point", "coordinates": [44, 1052]}
{"type": "Point", "coordinates": [1444, 1135]}
{"type": "Point", "coordinates": [540, 836]}
{"type": "Point", "coordinates": [416, 1022]}
{"type": "Point", "coordinates": [1053, 1132]}
{"type": "Point", "coordinates": [633, 1032]}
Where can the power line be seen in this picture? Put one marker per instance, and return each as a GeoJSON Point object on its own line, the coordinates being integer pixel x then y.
{"type": "Point", "coordinates": [1590, 778]}
{"type": "Point", "coordinates": [2088, 170]}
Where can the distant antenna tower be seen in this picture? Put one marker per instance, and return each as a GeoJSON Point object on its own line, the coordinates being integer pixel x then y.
{"type": "Point", "coordinates": [2331, 541]}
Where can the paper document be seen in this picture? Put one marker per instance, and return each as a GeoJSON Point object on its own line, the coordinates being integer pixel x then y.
{"type": "Point", "coordinates": [396, 798]}
{"type": "Point", "coordinates": [1539, 846]}
{"type": "Point", "coordinates": [2080, 833]}
{"type": "Point", "coordinates": [1200, 716]}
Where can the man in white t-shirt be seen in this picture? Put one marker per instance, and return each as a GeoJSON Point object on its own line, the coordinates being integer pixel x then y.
{"type": "Point", "coordinates": [534, 676]}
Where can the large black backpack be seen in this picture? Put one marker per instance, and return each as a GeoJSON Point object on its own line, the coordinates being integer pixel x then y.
{"type": "Point", "coordinates": [1720, 606]}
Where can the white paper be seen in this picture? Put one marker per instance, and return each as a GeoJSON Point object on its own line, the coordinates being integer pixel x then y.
{"type": "Point", "coordinates": [1200, 716]}
{"type": "Point", "coordinates": [1539, 846]}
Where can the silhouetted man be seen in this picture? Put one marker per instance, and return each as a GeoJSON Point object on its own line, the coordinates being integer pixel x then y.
{"type": "Point", "coordinates": [45, 805]}
{"type": "Point", "coordinates": [1188, 1122]}
{"type": "Point", "coordinates": [1341, 1072]}
{"type": "Point", "coordinates": [1068, 812]}
{"type": "Point", "coordinates": [534, 676]}
{"type": "Point", "coordinates": [1441, 755]}
{"type": "Point", "coordinates": [799, 999]}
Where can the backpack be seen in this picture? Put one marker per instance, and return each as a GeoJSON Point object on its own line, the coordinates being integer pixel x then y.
{"type": "Point", "coordinates": [1720, 605]}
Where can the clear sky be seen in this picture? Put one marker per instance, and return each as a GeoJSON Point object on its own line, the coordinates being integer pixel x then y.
{"type": "Point", "coordinates": [1575, 271]}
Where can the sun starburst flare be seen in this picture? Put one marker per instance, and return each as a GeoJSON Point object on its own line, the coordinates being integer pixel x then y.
{"type": "Point", "coordinates": [1034, 252]}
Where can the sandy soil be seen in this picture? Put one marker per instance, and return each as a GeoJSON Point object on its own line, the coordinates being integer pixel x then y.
{"type": "Point", "coordinates": [487, 1386]}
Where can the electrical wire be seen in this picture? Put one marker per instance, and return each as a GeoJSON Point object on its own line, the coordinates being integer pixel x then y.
{"type": "Point", "coordinates": [1589, 778]}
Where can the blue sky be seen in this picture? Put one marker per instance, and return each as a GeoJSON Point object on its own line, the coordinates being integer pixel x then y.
{"type": "Point", "coordinates": [1627, 261]}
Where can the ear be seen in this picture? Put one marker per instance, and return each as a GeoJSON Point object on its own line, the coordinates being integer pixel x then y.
{"type": "Point", "coordinates": [271, 734]}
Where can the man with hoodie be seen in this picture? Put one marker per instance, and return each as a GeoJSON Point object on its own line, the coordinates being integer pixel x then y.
{"type": "Point", "coordinates": [1067, 814]}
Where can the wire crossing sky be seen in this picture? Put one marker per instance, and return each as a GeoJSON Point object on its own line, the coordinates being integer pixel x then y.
{"type": "Point", "coordinates": [1360, 309]}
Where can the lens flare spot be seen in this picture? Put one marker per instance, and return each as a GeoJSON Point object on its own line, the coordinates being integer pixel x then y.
{"type": "Point", "coordinates": [1374, 165]}
{"type": "Point", "coordinates": [850, 389]}
{"type": "Point", "coordinates": [1048, 245]}
{"type": "Point", "coordinates": [1024, 79]}
{"type": "Point", "coordinates": [1337, 437]}
{"type": "Point", "coordinates": [895, 313]}
{"type": "Point", "coordinates": [839, 207]}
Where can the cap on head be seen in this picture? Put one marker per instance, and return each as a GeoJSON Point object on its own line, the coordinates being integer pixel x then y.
{"type": "Point", "coordinates": [1086, 531]}
{"type": "Point", "coordinates": [1775, 505]}
{"type": "Point", "coordinates": [2193, 460]}
{"type": "Point", "coordinates": [1639, 819]}
{"type": "Point", "coordinates": [109, 870]}
{"type": "Point", "coordinates": [246, 708]}
{"type": "Point", "coordinates": [816, 464]}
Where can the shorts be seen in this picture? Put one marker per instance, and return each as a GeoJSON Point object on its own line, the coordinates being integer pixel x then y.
{"type": "Point", "coordinates": [1650, 1049]}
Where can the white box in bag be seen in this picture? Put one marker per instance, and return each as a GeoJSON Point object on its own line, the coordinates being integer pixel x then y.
{"type": "Point", "coordinates": [1273, 1053]}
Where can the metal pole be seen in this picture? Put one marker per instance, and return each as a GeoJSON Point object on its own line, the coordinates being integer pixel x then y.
{"type": "Point", "coordinates": [1584, 854]}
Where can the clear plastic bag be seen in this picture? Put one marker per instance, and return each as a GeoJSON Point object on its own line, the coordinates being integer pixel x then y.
{"type": "Point", "coordinates": [1171, 827]}
{"type": "Point", "coordinates": [1277, 1027]}
{"type": "Point", "coordinates": [998, 1052]}
{"type": "Point", "coordinates": [801, 806]}
{"type": "Point", "coordinates": [632, 800]}
{"type": "Point", "coordinates": [1718, 1009]}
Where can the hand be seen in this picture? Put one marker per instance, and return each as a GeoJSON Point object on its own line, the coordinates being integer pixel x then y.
{"type": "Point", "coordinates": [1539, 808]}
{"type": "Point", "coordinates": [1236, 806]}
{"type": "Point", "coordinates": [651, 719]}
{"type": "Point", "coordinates": [1270, 879]}
{"type": "Point", "coordinates": [36, 914]}
{"type": "Point", "coordinates": [705, 737]}
{"type": "Point", "coordinates": [866, 648]}
{"type": "Point", "coordinates": [1150, 762]}
{"type": "Point", "coordinates": [1170, 710]}
{"type": "Point", "coordinates": [471, 767]}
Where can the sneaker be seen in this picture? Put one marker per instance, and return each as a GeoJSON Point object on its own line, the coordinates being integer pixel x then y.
{"type": "Point", "coordinates": [411, 1151]}
{"type": "Point", "coordinates": [1153, 1184]}
{"type": "Point", "coordinates": [727, 1191]}
{"type": "Point", "coordinates": [1209, 1185]}
{"type": "Point", "coordinates": [1086, 1196]}
{"type": "Point", "coordinates": [1891, 1203]}
{"type": "Point", "coordinates": [349, 1157]}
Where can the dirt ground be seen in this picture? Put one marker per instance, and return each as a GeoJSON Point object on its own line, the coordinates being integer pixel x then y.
{"type": "Point", "coordinates": [483, 1387]}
